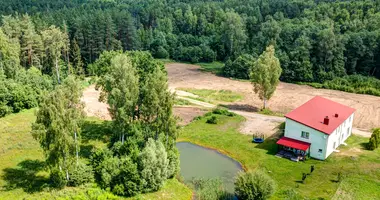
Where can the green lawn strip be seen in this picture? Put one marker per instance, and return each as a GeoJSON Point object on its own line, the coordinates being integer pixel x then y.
{"type": "Point", "coordinates": [213, 67]}
{"type": "Point", "coordinates": [287, 174]}
{"type": "Point", "coordinates": [214, 95]}
{"type": "Point", "coordinates": [269, 112]}
{"type": "Point", "coordinates": [182, 102]}
{"type": "Point", "coordinates": [22, 172]}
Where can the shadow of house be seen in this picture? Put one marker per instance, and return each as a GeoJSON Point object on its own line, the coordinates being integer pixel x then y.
{"type": "Point", "coordinates": [269, 143]}
{"type": "Point", "coordinates": [241, 107]}
{"type": "Point", "coordinates": [25, 176]}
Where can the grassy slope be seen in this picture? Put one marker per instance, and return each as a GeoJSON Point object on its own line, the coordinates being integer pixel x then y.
{"type": "Point", "coordinates": [22, 175]}
{"type": "Point", "coordinates": [362, 175]}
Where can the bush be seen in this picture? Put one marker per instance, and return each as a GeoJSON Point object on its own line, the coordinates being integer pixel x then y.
{"type": "Point", "coordinates": [58, 178]}
{"type": "Point", "coordinates": [221, 111]}
{"type": "Point", "coordinates": [173, 166]}
{"type": "Point", "coordinates": [153, 165]}
{"type": "Point", "coordinates": [374, 141]}
{"type": "Point", "coordinates": [212, 120]}
{"type": "Point", "coordinates": [80, 174]}
{"type": "Point", "coordinates": [127, 182]}
{"type": "Point", "coordinates": [254, 185]}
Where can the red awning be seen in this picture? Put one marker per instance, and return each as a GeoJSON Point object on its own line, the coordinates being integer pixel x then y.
{"type": "Point", "coordinates": [289, 142]}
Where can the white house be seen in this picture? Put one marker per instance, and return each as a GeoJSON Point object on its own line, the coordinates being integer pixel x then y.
{"type": "Point", "coordinates": [316, 128]}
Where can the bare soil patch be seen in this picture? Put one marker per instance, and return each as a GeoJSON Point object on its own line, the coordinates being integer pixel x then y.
{"type": "Point", "coordinates": [287, 97]}
{"type": "Point", "coordinates": [98, 109]}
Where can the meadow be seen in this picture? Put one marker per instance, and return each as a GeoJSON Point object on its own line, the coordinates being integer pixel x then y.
{"type": "Point", "coordinates": [359, 167]}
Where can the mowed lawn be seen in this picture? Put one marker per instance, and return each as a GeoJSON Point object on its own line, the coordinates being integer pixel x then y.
{"type": "Point", "coordinates": [23, 174]}
{"type": "Point", "coordinates": [360, 168]}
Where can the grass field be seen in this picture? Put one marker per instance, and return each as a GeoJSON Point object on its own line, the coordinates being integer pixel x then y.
{"type": "Point", "coordinates": [213, 67]}
{"type": "Point", "coordinates": [182, 102]}
{"type": "Point", "coordinates": [214, 95]}
{"type": "Point", "coordinates": [23, 174]}
{"type": "Point", "coordinates": [360, 168]}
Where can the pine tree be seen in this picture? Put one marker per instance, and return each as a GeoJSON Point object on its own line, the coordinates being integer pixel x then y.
{"type": "Point", "coordinates": [77, 59]}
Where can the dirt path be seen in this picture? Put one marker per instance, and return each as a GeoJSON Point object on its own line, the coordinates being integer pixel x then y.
{"type": "Point", "coordinates": [287, 96]}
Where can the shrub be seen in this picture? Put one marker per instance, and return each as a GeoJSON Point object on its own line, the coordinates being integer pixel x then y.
{"type": "Point", "coordinates": [80, 174]}
{"type": "Point", "coordinates": [221, 111]}
{"type": "Point", "coordinates": [153, 165]}
{"type": "Point", "coordinates": [173, 166]}
{"type": "Point", "coordinates": [254, 185]}
{"type": "Point", "coordinates": [212, 120]}
{"type": "Point", "coordinates": [58, 178]}
{"type": "Point", "coordinates": [127, 182]}
{"type": "Point", "coordinates": [374, 141]}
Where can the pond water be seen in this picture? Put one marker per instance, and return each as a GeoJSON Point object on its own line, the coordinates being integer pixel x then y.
{"type": "Point", "coordinates": [200, 162]}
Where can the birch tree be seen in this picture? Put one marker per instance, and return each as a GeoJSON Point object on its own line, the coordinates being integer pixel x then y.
{"type": "Point", "coordinates": [120, 90]}
{"type": "Point", "coordinates": [265, 74]}
{"type": "Point", "coordinates": [57, 127]}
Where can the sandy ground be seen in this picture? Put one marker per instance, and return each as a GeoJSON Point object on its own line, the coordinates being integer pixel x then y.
{"type": "Point", "coordinates": [287, 96]}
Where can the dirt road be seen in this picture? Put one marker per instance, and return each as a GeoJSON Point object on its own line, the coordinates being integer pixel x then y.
{"type": "Point", "coordinates": [287, 96]}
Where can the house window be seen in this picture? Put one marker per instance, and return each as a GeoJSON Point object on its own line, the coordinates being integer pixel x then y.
{"type": "Point", "coordinates": [305, 134]}
{"type": "Point", "coordinates": [348, 131]}
{"type": "Point", "coordinates": [334, 145]}
{"type": "Point", "coordinates": [320, 151]}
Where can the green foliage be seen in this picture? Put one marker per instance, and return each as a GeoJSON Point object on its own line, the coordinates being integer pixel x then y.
{"type": "Point", "coordinates": [153, 166]}
{"type": "Point", "coordinates": [354, 84]}
{"type": "Point", "coordinates": [58, 178]}
{"type": "Point", "coordinates": [254, 185]}
{"type": "Point", "coordinates": [173, 165]}
{"type": "Point", "coordinates": [80, 174]}
{"type": "Point", "coordinates": [374, 141]}
{"type": "Point", "coordinates": [210, 189]}
{"type": "Point", "coordinates": [57, 127]}
{"type": "Point", "coordinates": [265, 74]}
{"type": "Point", "coordinates": [212, 120]}
{"type": "Point", "coordinates": [222, 111]}
{"type": "Point", "coordinates": [240, 68]}
{"type": "Point", "coordinates": [127, 182]}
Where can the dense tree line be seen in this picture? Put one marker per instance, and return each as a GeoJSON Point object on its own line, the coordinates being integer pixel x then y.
{"type": "Point", "coordinates": [314, 40]}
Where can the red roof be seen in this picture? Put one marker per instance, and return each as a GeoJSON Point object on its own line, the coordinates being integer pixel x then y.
{"type": "Point", "coordinates": [313, 112]}
{"type": "Point", "coordinates": [289, 142]}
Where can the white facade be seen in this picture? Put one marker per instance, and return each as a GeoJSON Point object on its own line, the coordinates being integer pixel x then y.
{"type": "Point", "coordinates": [322, 145]}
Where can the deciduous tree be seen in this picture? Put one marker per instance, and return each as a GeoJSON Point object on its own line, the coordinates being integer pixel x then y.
{"type": "Point", "coordinates": [265, 74]}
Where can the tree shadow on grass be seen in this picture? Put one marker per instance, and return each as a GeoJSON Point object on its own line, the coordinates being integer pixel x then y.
{"type": "Point", "coordinates": [25, 176]}
{"type": "Point", "coordinates": [96, 130]}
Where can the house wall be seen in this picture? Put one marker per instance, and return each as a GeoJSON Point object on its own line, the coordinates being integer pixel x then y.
{"type": "Point", "coordinates": [339, 135]}
{"type": "Point", "coordinates": [317, 139]}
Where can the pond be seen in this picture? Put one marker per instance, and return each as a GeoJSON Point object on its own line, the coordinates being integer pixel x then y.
{"type": "Point", "coordinates": [200, 162]}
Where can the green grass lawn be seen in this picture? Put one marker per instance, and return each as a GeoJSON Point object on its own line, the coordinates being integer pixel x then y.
{"type": "Point", "coordinates": [24, 176]}
{"type": "Point", "coordinates": [213, 67]}
{"type": "Point", "coordinates": [214, 95]}
{"type": "Point", "coordinates": [361, 172]}
{"type": "Point", "coordinates": [182, 102]}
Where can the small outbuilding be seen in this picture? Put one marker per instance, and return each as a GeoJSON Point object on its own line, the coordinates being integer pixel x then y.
{"type": "Point", "coordinates": [316, 129]}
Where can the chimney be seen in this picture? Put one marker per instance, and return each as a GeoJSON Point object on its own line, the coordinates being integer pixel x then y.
{"type": "Point", "coordinates": [326, 120]}
{"type": "Point", "coordinates": [336, 115]}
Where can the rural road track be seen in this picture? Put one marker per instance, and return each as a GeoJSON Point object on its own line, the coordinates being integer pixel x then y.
{"type": "Point", "coordinates": [251, 115]}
